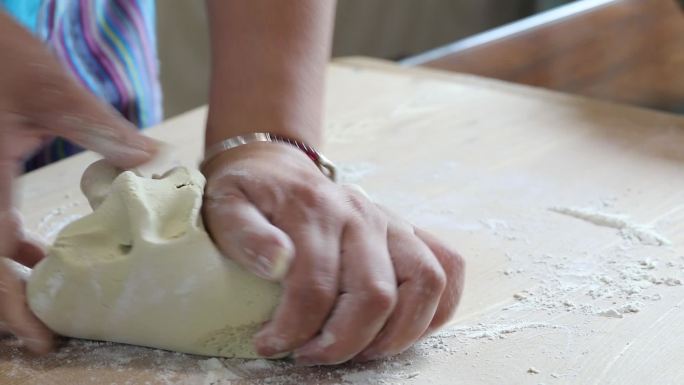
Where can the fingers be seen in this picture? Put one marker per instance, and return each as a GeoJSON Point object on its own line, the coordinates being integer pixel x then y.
{"type": "Point", "coordinates": [368, 296]}
{"type": "Point", "coordinates": [247, 237]}
{"type": "Point", "coordinates": [15, 315]}
{"type": "Point", "coordinates": [52, 102]}
{"type": "Point", "coordinates": [454, 267]}
{"type": "Point", "coordinates": [49, 101]}
{"type": "Point", "coordinates": [96, 127]}
{"type": "Point", "coordinates": [10, 226]}
{"type": "Point", "coordinates": [362, 282]}
{"type": "Point", "coordinates": [421, 283]}
{"type": "Point", "coordinates": [311, 285]}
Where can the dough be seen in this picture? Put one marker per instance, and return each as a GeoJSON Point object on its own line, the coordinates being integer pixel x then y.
{"type": "Point", "coordinates": [142, 270]}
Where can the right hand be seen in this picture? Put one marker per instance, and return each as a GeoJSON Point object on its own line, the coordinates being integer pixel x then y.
{"type": "Point", "coordinates": [38, 101]}
{"type": "Point", "coordinates": [358, 281]}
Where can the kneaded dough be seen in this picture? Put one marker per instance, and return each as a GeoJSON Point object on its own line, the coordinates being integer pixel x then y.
{"type": "Point", "coordinates": [142, 270]}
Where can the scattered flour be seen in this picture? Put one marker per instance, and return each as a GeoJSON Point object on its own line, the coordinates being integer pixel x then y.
{"type": "Point", "coordinates": [56, 219]}
{"type": "Point", "coordinates": [355, 172]}
{"type": "Point", "coordinates": [495, 224]}
{"type": "Point", "coordinates": [610, 313]}
{"type": "Point", "coordinates": [49, 229]}
{"type": "Point", "coordinates": [612, 283]}
{"type": "Point", "coordinates": [364, 377]}
{"type": "Point", "coordinates": [620, 311]}
{"type": "Point", "coordinates": [628, 229]}
{"type": "Point", "coordinates": [259, 364]}
{"type": "Point", "coordinates": [489, 331]}
{"type": "Point", "coordinates": [216, 371]}
{"type": "Point", "coordinates": [373, 377]}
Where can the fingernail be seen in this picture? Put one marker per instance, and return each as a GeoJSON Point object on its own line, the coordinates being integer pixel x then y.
{"type": "Point", "coordinates": [153, 148]}
{"type": "Point", "coordinates": [272, 266]}
{"type": "Point", "coordinates": [161, 162]}
{"type": "Point", "coordinates": [267, 344]}
{"type": "Point", "coordinates": [148, 144]}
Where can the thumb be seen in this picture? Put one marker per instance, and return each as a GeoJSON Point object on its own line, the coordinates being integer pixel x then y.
{"type": "Point", "coordinates": [242, 233]}
{"type": "Point", "coordinates": [98, 127]}
{"type": "Point", "coordinates": [15, 315]}
{"type": "Point", "coordinates": [80, 117]}
{"type": "Point", "coordinates": [45, 96]}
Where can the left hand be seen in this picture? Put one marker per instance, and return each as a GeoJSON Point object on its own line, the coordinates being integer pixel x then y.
{"type": "Point", "coordinates": [40, 100]}
{"type": "Point", "coordinates": [358, 282]}
{"type": "Point", "coordinates": [15, 316]}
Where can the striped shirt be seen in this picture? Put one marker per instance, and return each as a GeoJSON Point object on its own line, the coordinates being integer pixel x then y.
{"type": "Point", "coordinates": [108, 45]}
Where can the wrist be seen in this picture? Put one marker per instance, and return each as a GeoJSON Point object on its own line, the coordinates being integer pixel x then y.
{"type": "Point", "coordinates": [268, 140]}
{"type": "Point", "coordinates": [220, 127]}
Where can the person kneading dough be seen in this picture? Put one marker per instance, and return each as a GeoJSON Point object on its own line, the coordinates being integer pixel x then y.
{"type": "Point", "coordinates": [334, 275]}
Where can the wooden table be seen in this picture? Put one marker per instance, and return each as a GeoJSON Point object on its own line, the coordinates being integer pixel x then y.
{"type": "Point", "coordinates": [549, 298]}
{"type": "Point", "coordinates": [630, 51]}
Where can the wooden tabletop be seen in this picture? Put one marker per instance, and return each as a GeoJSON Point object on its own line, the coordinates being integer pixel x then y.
{"type": "Point", "coordinates": [588, 296]}
{"type": "Point", "coordinates": [631, 51]}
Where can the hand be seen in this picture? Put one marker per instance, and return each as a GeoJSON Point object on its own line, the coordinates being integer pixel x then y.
{"type": "Point", "coordinates": [358, 282]}
{"type": "Point", "coordinates": [15, 316]}
{"type": "Point", "coordinates": [39, 100]}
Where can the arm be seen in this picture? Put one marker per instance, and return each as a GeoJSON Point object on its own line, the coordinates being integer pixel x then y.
{"type": "Point", "coordinates": [357, 282]}
{"type": "Point", "coordinates": [38, 101]}
{"type": "Point", "coordinates": [268, 67]}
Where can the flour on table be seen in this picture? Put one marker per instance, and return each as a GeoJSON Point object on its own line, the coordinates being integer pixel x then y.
{"type": "Point", "coordinates": [355, 172]}
{"type": "Point", "coordinates": [54, 221]}
{"type": "Point", "coordinates": [619, 312]}
{"type": "Point", "coordinates": [216, 371]}
{"type": "Point", "coordinates": [628, 229]}
{"type": "Point", "coordinates": [610, 313]}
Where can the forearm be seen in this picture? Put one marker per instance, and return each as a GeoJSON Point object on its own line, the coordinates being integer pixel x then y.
{"type": "Point", "coordinates": [268, 67]}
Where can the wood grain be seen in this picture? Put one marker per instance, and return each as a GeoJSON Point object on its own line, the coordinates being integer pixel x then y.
{"type": "Point", "coordinates": [631, 51]}
{"type": "Point", "coordinates": [478, 162]}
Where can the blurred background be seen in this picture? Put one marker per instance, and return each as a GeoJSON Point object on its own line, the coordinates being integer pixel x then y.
{"type": "Point", "coordinates": [388, 29]}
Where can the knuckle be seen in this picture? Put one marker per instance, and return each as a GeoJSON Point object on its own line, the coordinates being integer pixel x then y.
{"type": "Point", "coordinates": [433, 279]}
{"type": "Point", "coordinates": [364, 209]}
{"type": "Point", "coordinates": [382, 297]}
{"type": "Point", "coordinates": [318, 295]}
{"type": "Point", "coordinates": [457, 265]}
{"type": "Point", "coordinates": [358, 201]}
{"type": "Point", "coordinates": [313, 196]}
{"type": "Point", "coordinates": [453, 291]}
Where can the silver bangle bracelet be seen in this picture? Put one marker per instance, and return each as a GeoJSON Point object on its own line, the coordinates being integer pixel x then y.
{"type": "Point", "coordinates": [326, 166]}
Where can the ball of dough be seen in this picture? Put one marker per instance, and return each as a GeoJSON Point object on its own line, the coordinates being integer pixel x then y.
{"type": "Point", "coordinates": [142, 270]}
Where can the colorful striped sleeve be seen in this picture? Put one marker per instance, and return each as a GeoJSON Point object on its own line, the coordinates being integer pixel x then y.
{"type": "Point", "coordinates": [109, 46]}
